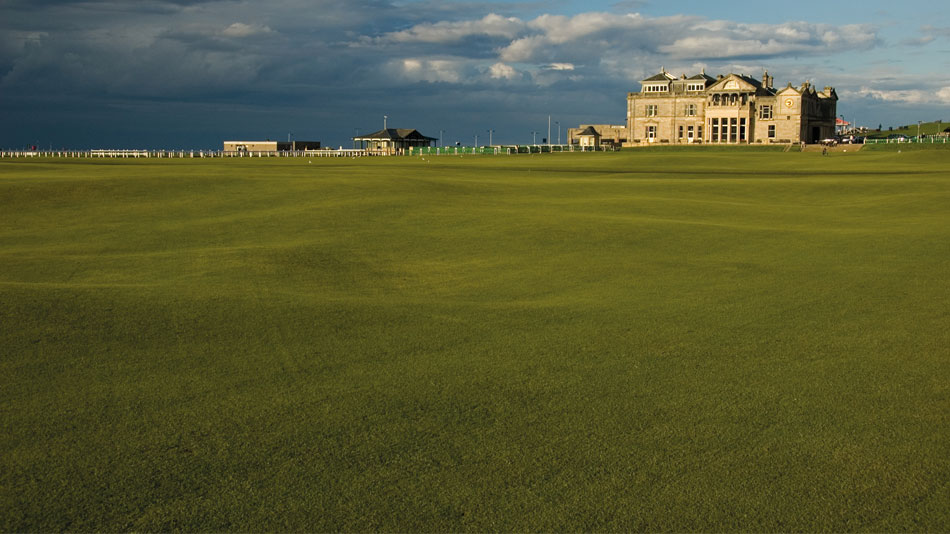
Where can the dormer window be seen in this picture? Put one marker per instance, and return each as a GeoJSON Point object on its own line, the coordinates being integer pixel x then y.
{"type": "Point", "coordinates": [695, 87]}
{"type": "Point", "coordinates": [659, 88]}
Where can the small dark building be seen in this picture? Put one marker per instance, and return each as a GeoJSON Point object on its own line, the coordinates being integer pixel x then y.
{"type": "Point", "coordinates": [393, 140]}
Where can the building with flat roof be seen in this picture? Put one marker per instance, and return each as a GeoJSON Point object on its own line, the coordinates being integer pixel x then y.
{"type": "Point", "coordinates": [237, 147]}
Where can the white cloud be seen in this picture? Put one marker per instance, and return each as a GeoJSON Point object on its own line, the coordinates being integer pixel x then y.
{"type": "Point", "coordinates": [562, 29]}
{"type": "Point", "coordinates": [490, 25]}
{"type": "Point", "coordinates": [904, 96]}
{"type": "Point", "coordinates": [724, 39]}
{"type": "Point", "coordinates": [936, 31]}
{"type": "Point", "coordinates": [608, 45]}
{"type": "Point", "coordinates": [429, 70]}
{"type": "Point", "coordinates": [919, 41]}
{"type": "Point", "coordinates": [590, 38]}
{"type": "Point", "coordinates": [722, 47]}
{"type": "Point", "coordinates": [239, 29]}
{"type": "Point", "coordinates": [524, 49]}
{"type": "Point", "coordinates": [586, 35]}
{"type": "Point", "coordinates": [501, 71]}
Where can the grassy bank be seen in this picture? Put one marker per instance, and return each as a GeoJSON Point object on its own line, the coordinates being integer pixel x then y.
{"type": "Point", "coordinates": [718, 340]}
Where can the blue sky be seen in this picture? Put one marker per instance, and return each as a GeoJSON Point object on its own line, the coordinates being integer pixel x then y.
{"type": "Point", "coordinates": [191, 73]}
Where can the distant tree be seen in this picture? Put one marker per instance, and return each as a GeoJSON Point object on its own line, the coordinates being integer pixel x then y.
{"type": "Point", "coordinates": [879, 126]}
{"type": "Point", "coordinates": [890, 128]}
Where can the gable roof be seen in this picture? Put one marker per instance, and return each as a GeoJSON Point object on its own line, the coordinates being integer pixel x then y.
{"type": "Point", "coordinates": [396, 134]}
{"type": "Point", "coordinates": [703, 76]}
{"type": "Point", "coordinates": [589, 131]}
{"type": "Point", "coordinates": [742, 82]}
{"type": "Point", "coordinates": [661, 77]}
{"type": "Point", "coordinates": [788, 89]}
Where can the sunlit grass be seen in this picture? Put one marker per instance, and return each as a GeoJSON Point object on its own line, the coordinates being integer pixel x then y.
{"type": "Point", "coordinates": [648, 340]}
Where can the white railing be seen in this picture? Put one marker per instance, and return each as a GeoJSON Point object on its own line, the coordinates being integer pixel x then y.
{"type": "Point", "coordinates": [131, 153]}
{"type": "Point", "coordinates": [932, 139]}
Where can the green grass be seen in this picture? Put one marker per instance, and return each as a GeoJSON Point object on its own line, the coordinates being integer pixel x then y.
{"type": "Point", "coordinates": [910, 130]}
{"type": "Point", "coordinates": [645, 340]}
{"type": "Point", "coordinates": [906, 147]}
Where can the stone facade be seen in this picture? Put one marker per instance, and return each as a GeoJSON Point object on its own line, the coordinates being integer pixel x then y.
{"type": "Point", "coordinates": [236, 147]}
{"type": "Point", "coordinates": [597, 135]}
{"type": "Point", "coordinates": [732, 109]}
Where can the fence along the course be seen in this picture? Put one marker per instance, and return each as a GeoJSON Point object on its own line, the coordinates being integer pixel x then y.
{"type": "Point", "coordinates": [502, 149]}
{"type": "Point", "coordinates": [109, 153]}
{"type": "Point", "coordinates": [355, 152]}
{"type": "Point", "coordinates": [322, 153]}
{"type": "Point", "coordinates": [924, 139]}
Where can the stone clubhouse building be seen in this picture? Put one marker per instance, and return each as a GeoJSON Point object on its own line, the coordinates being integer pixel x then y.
{"type": "Point", "coordinates": [730, 109]}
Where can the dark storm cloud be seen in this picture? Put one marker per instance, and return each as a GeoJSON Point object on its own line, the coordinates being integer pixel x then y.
{"type": "Point", "coordinates": [195, 47]}
{"type": "Point", "coordinates": [191, 48]}
{"type": "Point", "coordinates": [335, 62]}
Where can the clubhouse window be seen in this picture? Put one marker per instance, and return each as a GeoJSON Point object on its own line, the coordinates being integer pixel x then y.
{"type": "Point", "coordinates": [651, 110]}
{"type": "Point", "coordinates": [765, 112]}
{"type": "Point", "coordinates": [690, 110]}
{"type": "Point", "coordinates": [771, 131]}
{"type": "Point", "coordinates": [651, 132]}
{"type": "Point", "coordinates": [727, 130]}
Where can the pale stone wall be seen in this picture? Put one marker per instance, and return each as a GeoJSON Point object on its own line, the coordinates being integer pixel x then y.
{"type": "Point", "coordinates": [656, 119]}
{"type": "Point", "coordinates": [787, 116]}
{"type": "Point", "coordinates": [250, 146]}
{"type": "Point", "coordinates": [615, 134]}
{"type": "Point", "coordinates": [732, 110]}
